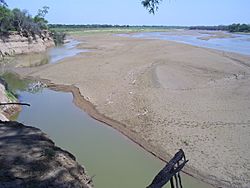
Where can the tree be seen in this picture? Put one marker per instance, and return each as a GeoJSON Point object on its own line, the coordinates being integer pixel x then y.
{"type": "Point", "coordinates": [6, 18]}
{"type": "Point", "coordinates": [40, 17]}
{"type": "Point", "coordinates": [42, 12]}
{"type": "Point", "coordinates": [151, 5]}
{"type": "Point", "coordinates": [3, 3]}
{"type": "Point", "coordinates": [24, 24]}
{"type": "Point", "coordinates": [21, 21]}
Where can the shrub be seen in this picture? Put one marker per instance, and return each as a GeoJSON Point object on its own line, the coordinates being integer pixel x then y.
{"type": "Point", "coordinates": [6, 18]}
{"type": "Point", "coordinates": [58, 37]}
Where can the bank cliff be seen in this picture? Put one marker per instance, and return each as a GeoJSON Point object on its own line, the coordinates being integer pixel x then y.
{"type": "Point", "coordinates": [15, 44]}
{"type": "Point", "coordinates": [28, 158]}
{"type": "Point", "coordinates": [6, 96]}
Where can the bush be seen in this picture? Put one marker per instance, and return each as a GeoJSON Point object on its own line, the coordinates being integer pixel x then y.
{"type": "Point", "coordinates": [58, 37]}
{"type": "Point", "coordinates": [6, 19]}
{"type": "Point", "coordinates": [24, 24]}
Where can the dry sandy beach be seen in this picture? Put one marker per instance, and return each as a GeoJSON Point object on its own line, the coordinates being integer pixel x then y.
{"type": "Point", "coordinates": [167, 96]}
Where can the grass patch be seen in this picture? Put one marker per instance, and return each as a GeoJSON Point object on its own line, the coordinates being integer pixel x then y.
{"type": "Point", "coordinates": [87, 31]}
{"type": "Point", "coordinates": [50, 153]}
{"type": "Point", "coordinates": [10, 96]}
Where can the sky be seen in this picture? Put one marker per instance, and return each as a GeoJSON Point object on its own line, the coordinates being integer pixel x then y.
{"type": "Point", "coordinates": [131, 12]}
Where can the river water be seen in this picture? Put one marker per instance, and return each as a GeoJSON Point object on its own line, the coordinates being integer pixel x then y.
{"type": "Point", "coordinates": [114, 160]}
{"type": "Point", "coordinates": [68, 50]}
{"type": "Point", "coordinates": [238, 43]}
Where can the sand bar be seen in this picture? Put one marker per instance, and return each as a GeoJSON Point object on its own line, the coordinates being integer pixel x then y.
{"type": "Point", "coordinates": [165, 96]}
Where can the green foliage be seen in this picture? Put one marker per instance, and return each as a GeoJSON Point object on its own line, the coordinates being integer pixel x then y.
{"type": "Point", "coordinates": [10, 96]}
{"type": "Point", "coordinates": [231, 28]}
{"type": "Point", "coordinates": [42, 12]}
{"type": "Point", "coordinates": [6, 18]}
{"type": "Point", "coordinates": [40, 18]}
{"type": "Point", "coordinates": [42, 22]}
{"type": "Point", "coordinates": [212, 28]}
{"type": "Point", "coordinates": [58, 37]}
{"type": "Point", "coordinates": [64, 27]}
{"type": "Point", "coordinates": [21, 21]}
{"type": "Point", "coordinates": [151, 5]}
{"type": "Point", "coordinates": [50, 153]}
{"type": "Point", "coordinates": [239, 28]}
{"type": "Point", "coordinates": [24, 24]}
{"type": "Point", "coordinates": [15, 84]}
{"type": "Point", "coordinates": [3, 3]}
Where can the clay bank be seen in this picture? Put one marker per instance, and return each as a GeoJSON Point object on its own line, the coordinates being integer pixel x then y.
{"type": "Point", "coordinates": [30, 159]}
{"type": "Point", "coordinates": [15, 44]}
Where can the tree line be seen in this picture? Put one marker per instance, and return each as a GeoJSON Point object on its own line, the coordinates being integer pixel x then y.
{"type": "Point", "coordinates": [99, 26]}
{"type": "Point", "coordinates": [22, 22]}
{"type": "Point", "coordinates": [16, 20]}
{"type": "Point", "coordinates": [231, 28]}
{"type": "Point", "coordinates": [26, 25]}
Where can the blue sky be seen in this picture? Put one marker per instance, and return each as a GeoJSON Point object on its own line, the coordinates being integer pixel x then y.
{"type": "Point", "coordinates": [131, 12]}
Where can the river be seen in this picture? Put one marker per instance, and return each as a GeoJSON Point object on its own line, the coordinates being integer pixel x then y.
{"type": "Point", "coordinates": [237, 43]}
{"type": "Point", "coordinates": [113, 159]}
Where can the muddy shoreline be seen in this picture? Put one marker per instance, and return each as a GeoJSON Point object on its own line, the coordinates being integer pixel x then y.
{"type": "Point", "coordinates": [91, 110]}
{"type": "Point", "coordinates": [85, 105]}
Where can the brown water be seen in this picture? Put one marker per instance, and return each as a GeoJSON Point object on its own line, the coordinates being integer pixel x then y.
{"type": "Point", "coordinates": [115, 161]}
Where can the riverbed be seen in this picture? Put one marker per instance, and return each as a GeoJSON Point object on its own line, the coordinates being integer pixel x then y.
{"type": "Point", "coordinates": [110, 157]}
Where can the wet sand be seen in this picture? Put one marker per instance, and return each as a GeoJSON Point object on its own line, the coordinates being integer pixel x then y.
{"type": "Point", "coordinates": [166, 96]}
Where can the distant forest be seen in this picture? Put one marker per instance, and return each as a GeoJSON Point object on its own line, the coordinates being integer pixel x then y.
{"type": "Point", "coordinates": [98, 26]}
{"type": "Point", "coordinates": [231, 28]}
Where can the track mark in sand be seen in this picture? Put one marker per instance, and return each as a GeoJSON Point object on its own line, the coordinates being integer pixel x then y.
{"type": "Point", "coordinates": [238, 61]}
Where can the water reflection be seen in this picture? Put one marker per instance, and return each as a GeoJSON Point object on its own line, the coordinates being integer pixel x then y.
{"type": "Point", "coordinates": [17, 85]}
{"type": "Point", "coordinates": [51, 56]}
{"type": "Point", "coordinates": [30, 60]}
{"type": "Point", "coordinates": [67, 50]}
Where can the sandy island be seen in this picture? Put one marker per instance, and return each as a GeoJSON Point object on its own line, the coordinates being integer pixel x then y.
{"type": "Point", "coordinates": [166, 96]}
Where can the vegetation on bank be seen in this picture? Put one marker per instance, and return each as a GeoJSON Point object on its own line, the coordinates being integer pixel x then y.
{"type": "Point", "coordinates": [97, 28]}
{"type": "Point", "coordinates": [106, 28]}
{"type": "Point", "coordinates": [12, 97]}
{"type": "Point", "coordinates": [21, 21]}
{"type": "Point", "coordinates": [244, 28]}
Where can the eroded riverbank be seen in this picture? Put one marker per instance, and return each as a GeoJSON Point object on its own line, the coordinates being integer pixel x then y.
{"type": "Point", "coordinates": [29, 158]}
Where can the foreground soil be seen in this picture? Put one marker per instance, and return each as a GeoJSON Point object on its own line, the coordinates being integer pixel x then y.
{"type": "Point", "coordinates": [167, 96]}
{"type": "Point", "coordinates": [28, 158]}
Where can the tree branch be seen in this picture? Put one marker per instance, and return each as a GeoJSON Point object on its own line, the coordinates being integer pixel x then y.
{"type": "Point", "coordinates": [14, 103]}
